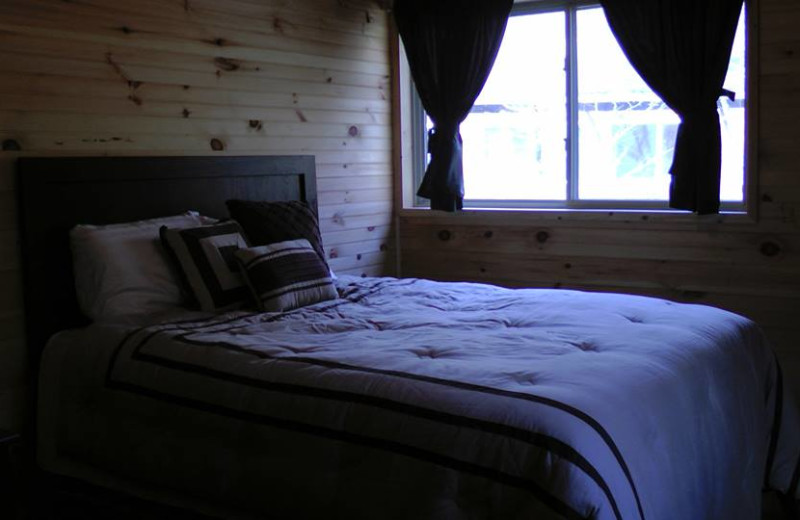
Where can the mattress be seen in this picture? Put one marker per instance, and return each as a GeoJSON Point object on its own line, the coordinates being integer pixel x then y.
{"type": "Point", "coordinates": [408, 398]}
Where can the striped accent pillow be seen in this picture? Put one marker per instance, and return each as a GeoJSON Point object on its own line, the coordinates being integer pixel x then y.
{"type": "Point", "coordinates": [205, 255]}
{"type": "Point", "coordinates": [286, 275]}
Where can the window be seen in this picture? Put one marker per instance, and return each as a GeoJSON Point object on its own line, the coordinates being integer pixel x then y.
{"type": "Point", "coordinates": [575, 126]}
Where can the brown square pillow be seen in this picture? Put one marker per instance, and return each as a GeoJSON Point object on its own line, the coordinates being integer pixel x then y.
{"type": "Point", "coordinates": [267, 223]}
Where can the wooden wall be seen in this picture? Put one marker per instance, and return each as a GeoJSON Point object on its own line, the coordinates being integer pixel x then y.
{"type": "Point", "coordinates": [176, 77]}
{"type": "Point", "coordinates": [194, 77]}
{"type": "Point", "coordinates": [750, 267]}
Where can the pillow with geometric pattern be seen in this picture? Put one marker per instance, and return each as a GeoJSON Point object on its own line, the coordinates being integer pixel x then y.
{"type": "Point", "coordinates": [286, 275]}
{"type": "Point", "coordinates": [271, 222]}
{"type": "Point", "coordinates": [206, 257]}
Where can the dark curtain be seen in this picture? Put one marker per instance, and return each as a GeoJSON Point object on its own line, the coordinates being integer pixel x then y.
{"type": "Point", "coordinates": [681, 49]}
{"type": "Point", "coordinates": [451, 46]}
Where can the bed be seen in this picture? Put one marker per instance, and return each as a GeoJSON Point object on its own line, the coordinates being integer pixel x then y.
{"type": "Point", "coordinates": [400, 398]}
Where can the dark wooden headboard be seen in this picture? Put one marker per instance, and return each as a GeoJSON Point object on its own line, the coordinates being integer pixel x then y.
{"type": "Point", "coordinates": [55, 194]}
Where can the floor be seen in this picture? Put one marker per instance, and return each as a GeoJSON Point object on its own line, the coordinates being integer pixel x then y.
{"type": "Point", "coordinates": [53, 498]}
{"type": "Point", "coordinates": [773, 509]}
{"type": "Point", "coordinates": [78, 508]}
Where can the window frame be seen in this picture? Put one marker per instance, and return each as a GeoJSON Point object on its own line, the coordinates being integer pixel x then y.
{"type": "Point", "coordinates": [418, 130]}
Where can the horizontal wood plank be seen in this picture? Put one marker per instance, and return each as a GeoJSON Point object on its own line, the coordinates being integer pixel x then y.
{"type": "Point", "coordinates": [147, 77]}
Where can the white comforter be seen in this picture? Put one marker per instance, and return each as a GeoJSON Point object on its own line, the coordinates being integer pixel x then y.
{"type": "Point", "coordinates": [416, 399]}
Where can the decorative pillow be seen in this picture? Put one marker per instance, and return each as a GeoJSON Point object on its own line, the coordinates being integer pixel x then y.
{"type": "Point", "coordinates": [206, 257]}
{"type": "Point", "coordinates": [286, 275]}
{"type": "Point", "coordinates": [122, 269]}
{"type": "Point", "coordinates": [270, 222]}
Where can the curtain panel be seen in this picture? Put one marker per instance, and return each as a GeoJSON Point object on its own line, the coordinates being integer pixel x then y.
{"type": "Point", "coordinates": [681, 48]}
{"type": "Point", "coordinates": [451, 46]}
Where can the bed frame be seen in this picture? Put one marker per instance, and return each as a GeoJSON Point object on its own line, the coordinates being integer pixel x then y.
{"type": "Point", "coordinates": [54, 194]}
{"type": "Point", "coordinates": [57, 193]}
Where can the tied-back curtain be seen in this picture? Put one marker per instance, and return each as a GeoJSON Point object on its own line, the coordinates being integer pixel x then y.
{"type": "Point", "coordinates": [451, 46]}
{"type": "Point", "coordinates": [681, 48]}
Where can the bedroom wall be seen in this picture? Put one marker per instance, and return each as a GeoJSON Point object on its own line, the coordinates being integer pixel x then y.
{"type": "Point", "coordinates": [197, 77]}
{"type": "Point", "coordinates": [751, 267]}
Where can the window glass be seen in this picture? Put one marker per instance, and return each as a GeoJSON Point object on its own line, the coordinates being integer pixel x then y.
{"type": "Point", "coordinates": [732, 121]}
{"type": "Point", "coordinates": [514, 137]}
{"type": "Point", "coordinates": [616, 109]}
{"type": "Point", "coordinates": [623, 152]}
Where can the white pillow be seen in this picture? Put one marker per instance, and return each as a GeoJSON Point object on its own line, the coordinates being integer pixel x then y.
{"type": "Point", "coordinates": [123, 270]}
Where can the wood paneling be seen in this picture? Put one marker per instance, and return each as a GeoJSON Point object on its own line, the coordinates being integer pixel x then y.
{"type": "Point", "coordinates": [146, 77]}
{"type": "Point", "coordinates": [750, 267]}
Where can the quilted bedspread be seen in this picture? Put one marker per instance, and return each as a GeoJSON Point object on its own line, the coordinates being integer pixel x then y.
{"type": "Point", "coordinates": [415, 399]}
